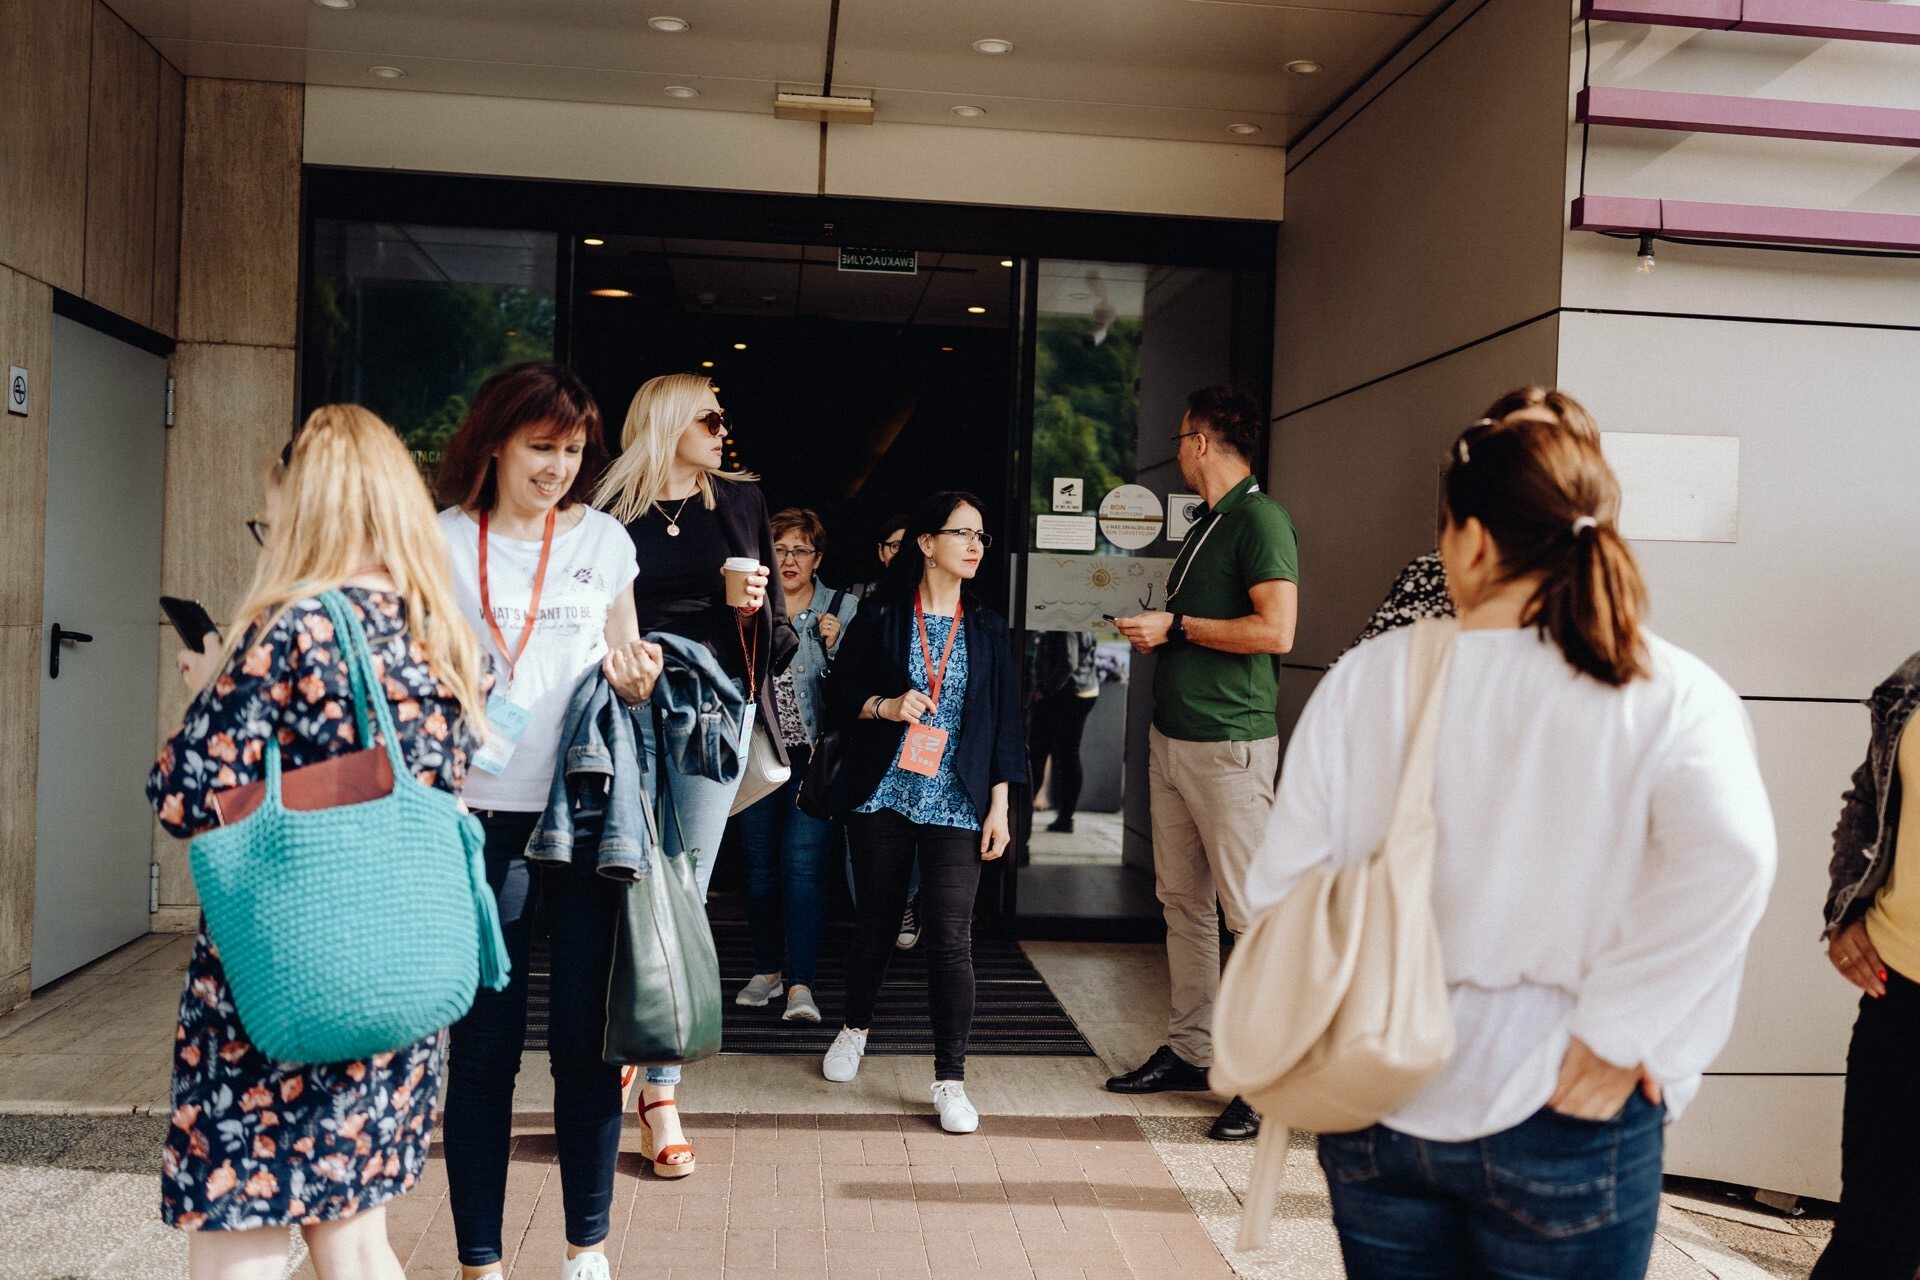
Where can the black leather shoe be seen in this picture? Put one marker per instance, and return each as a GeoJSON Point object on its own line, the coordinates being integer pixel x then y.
{"type": "Point", "coordinates": [1165, 1071]}
{"type": "Point", "coordinates": [1237, 1123]}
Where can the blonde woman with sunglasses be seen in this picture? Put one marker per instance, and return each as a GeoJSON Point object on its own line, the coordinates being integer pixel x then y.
{"type": "Point", "coordinates": [688, 516]}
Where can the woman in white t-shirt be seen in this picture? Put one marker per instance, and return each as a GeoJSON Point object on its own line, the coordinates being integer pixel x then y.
{"type": "Point", "coordinates": [547, 583]}
{"type": "Point", "coordinates": [1604, 851]}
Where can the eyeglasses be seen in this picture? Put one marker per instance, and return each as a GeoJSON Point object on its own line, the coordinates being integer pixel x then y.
{"type": "Point", "coordinates": [714, 421]}
{"type": "Point", "coordinates": [893, 545]}
{"type": "Point", "coordinates": [972, 537]}
{"type": "Point", "coordinates": [793, 553]}
{"type": "Point", "coordinates": [258, 528]}
{"type": "Point", "coordinates": [1178, 436]}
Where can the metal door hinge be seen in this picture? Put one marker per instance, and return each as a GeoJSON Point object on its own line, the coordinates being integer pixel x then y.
{"type": "Point", "coordinates": [169, 402]}
{"type": "Point", "coordinates": [153, 887]}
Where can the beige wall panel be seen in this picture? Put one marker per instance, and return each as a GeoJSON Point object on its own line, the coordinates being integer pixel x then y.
{"type": "Point", "coordinates": [169, 120]}
{"type": "Point", "coordinates": [121, 148]}
{"type": "Point", "coordinates": [240, 214]}
{"type": "Point", "coordinates": [1433, 217]}
{"type": "Point", "coordinates": [658, 146]}
{"type": "Point", "coordinates": [1812, 601]}
{"type": "Point", "coordinates": [1359, 476]}
{"type": "Point", "coordinates": [43, 138]}
{"type": "Point", "coordinates": [1781, 1133]}
{"type": "Point", "coordinates": [20, 650]}
{"type": "Point", "coordinates": [26, 339]}
{"type": "Point", "coordinates": [1658, 164]}
{"type": "Point", "coordinates": [1056, 171]}
{"type": "Point", "coordinates": [232, 411]}
{"type": "Point", "coordinates": [176, 877]}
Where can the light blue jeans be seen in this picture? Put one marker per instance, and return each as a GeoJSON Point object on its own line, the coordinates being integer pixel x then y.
{"type": "Point", "coordinates": [699, 813]}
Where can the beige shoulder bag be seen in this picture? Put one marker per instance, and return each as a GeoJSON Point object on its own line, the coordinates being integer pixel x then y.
{"type": "Point", "coordinates": [1333, 1009]}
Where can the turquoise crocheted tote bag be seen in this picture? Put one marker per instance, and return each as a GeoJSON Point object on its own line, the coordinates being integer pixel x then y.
{"type": "Point", "coordinates": [355, 930]}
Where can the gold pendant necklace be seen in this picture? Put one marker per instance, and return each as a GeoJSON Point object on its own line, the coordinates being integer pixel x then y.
{"type": "Point", "coordinates": [673, 521]}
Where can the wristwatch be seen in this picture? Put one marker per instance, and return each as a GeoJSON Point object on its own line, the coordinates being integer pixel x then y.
{"type": "Point", "coordinates": [1177, 629]}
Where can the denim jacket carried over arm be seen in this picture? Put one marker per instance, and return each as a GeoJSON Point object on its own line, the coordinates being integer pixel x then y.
{"type": "Point", "coordinates": [603, 779]}
{"type": "Point", "coordinates": [1864, 838]}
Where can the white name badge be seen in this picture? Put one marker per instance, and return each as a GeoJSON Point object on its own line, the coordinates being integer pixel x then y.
{"type": "Point", "coordinates": [509, 721]}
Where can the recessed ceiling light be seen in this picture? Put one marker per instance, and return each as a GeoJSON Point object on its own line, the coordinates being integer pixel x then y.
{"type": "Point", "coordinates": [1302, 67]}
{"type": "Point", "coordinates": [596, 241]}
{"type": "Point", "coordinates": [611, 293]}
{"type": "Point", "coordinates": [769, 297]}
{"type": "Point", "coordinates": [336, 4]}
{"type": "Point", "coordinates": [1006, 262]}
{"type": "Point", "coordinates": [669, 25]}
{"type": "Point", "coordinates": [946, 348]}
{"type": "Point", "coordinates": [739, 346]}
{"type": "Point", "coordinates": [706, 364]}
{"type": "Point", "coordinates": [681, 91]}
{"type": "Point", "coordinates": [387, 73]}
{"type": "Point", "coordinates": [976, 311]}
{"type": "Point", "coordinates": [967, 112]}
{"type": "Point", "coordinates": [1244, 130]}
{"type": "Point", "coordinates": [993, 46]}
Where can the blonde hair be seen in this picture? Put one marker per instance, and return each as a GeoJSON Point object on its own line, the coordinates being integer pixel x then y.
{"type": "Point", "coordinates": [661, 411]}
{"type": "Point", "coordinates": [350, 495]}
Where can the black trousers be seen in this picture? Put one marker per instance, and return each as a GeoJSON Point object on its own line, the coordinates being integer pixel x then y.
{"type": "Point", "coordinates": [884, 846]}
{"type": "Point", "coordinates": [1055, 729]}
{"type": "Point", "coordinates": [1876, 1233]}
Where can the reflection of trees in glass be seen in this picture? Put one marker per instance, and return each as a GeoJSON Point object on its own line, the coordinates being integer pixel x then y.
{"type": "Point", "coordinates": [1086, 406]}
{"type": "Point", "coordinates": [415, 352]}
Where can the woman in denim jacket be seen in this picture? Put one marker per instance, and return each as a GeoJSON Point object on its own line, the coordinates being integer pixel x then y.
{"type": "Point", "coordinates": [787, 851]}
{"type": "Point", "coordinates": [1873, 939]}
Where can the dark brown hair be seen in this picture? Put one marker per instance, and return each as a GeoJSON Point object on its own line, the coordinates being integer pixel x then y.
{"type": "Point", "coordinates": [535, 394]}
{"type": "Point", "coordinates": [1229, 416]}
{"type": "Point", "coordinates": [1570, 413]}
{"type": "Point", "coordinates": [1549, 500]}
{"type": "Point", "coordinates": [803, 520]}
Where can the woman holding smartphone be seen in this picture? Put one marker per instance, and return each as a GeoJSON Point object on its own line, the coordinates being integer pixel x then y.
{"type": "Point", "coordinates": [255, 1146]}
{"type": "Point", "coordinates": [547, 584]}
{"type": "Point", "coordinates": [926, 690]}
{"type": "Point", "coordinates": [687, 518]}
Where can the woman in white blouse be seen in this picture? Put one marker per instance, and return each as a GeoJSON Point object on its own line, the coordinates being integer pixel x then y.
{"type": "Point", "coordinates": [1604, 851]}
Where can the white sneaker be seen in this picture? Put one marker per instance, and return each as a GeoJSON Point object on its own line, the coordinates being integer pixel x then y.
{"type": "Point", "coordinates": [801, 1006]}
{"type": "Point", "coordinates": [588, 1266]}
{"type": "Point", "coordinates": [842, 1062]}
{"type": "Point", "coordinates": [764, 987]}
{"type": "Point", "coordinates": [956, 1113]}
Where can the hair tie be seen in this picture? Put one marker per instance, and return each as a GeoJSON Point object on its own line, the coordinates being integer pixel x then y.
{"type": "Point", "coordinates": [1583, 523]}
{"type": "Point", "coordinates": [1460, 451]}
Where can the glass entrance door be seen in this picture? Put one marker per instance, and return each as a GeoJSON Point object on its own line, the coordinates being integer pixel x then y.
{"type": "Point", "coordinates": [1115, 349]}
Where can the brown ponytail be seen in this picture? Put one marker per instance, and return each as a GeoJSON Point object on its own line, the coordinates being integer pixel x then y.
{"type": "Point", "coordinates": [1549, 500]}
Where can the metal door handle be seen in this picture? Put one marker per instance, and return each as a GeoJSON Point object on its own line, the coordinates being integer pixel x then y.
{"type": "Point", "coordinates": [61, 636]}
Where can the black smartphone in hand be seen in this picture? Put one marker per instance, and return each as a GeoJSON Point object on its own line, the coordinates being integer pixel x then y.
{"type": "Point", "coordinates": [191, 619]}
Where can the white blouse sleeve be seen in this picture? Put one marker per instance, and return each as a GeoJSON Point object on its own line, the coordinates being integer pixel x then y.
{"type": "Point", "coordinates": [1662, 993]}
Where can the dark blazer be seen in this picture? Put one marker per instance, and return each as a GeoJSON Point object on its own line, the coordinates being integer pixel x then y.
{"type": "Point", "coordinates": [742, 511]}
{"type": "Point", "coordinates": [990, 746]}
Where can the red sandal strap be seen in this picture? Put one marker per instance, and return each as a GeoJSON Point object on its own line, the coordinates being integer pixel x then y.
{"type": "Point", "coordinates": [648, 1106]}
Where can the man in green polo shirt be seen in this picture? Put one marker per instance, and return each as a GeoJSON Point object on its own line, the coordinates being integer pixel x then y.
{"type": "Point", "coordinates": [1214, 752]}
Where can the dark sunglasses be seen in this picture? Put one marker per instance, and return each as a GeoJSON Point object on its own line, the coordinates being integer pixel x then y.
{"type": "Point", "coordinates": [714, 421]}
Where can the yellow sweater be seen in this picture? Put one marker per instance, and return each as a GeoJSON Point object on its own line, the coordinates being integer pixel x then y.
{"type": "Point", "coordinates": [1893, 922]}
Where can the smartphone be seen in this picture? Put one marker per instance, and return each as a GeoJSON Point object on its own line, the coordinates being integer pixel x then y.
{"type": "Point", "coordinates": [1110, 618]}
{"type": "Point", "coordinates": [191, 619]}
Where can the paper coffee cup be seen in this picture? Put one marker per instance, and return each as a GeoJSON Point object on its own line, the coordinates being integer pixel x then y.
{"type": "Point", "coordinates": [737, 570]}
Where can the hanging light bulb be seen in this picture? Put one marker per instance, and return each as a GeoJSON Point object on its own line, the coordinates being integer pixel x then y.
{"type": "Point", "coordinates": [1646, 253]}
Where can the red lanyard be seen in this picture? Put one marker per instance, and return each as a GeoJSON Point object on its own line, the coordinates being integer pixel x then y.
{"type": "Point", "coordinates": [935, 673]}
{"type": "Point", "coordinates": [533, 603]}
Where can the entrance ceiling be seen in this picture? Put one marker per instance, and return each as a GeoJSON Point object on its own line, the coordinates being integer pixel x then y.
{"type": "Point", "coordinates": [1175, 69]}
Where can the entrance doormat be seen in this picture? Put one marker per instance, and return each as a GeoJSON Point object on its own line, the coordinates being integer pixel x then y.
{"type": "Point", "coordinates": [1015, 1014]}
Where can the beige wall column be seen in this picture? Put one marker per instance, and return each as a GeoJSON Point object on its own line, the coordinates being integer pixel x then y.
{"type": "Point", "coordinates": [239, 289]}
{"type": "Point", "coordinates": [90, 119]}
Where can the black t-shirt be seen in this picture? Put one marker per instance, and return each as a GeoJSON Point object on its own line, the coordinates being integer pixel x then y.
{"type": "Point", "coordinates": [680, 588]}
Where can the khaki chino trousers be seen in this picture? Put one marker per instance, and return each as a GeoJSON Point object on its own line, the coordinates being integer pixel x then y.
{"type": "Point", "coordinates": [1210, 802]}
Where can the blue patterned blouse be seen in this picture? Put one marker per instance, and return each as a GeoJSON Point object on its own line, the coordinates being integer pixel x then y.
{"type": "Point", "coordinates": [939, 801]}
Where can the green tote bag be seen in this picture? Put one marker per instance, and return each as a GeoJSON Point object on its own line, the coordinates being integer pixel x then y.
{"type": "Point", "coordinates": [355, 930]}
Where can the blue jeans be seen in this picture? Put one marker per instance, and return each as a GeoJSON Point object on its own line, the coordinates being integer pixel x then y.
{"type": "Point", "coordinates": [486, 1045]}
{"type": "Point", "coordinates": [1553, 1198]}
{"type": "Point", "coordinates": [698, 815]}
{"type": "Point", "coordinates": [786, 854]}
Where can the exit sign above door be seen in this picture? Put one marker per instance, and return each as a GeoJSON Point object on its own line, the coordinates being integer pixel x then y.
{"type": "Point", "coordinates": [887, 262]}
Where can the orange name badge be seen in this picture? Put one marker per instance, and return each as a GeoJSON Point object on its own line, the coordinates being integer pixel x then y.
{"type": "Point", "coordinates": [922, 750]}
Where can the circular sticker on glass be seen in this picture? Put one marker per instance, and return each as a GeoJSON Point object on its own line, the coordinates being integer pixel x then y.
{"type": "Point", "coordinates": [1130, 516]}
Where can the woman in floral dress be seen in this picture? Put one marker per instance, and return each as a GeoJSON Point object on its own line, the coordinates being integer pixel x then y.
{"type": "Point", "coordinates": [255, 1145]}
